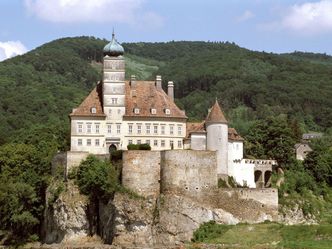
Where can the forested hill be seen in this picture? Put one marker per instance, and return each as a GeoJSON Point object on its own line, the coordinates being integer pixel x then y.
{"type": "Point", "coordinates": [39, 89]}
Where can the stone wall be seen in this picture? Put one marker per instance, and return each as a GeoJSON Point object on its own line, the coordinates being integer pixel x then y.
{"type": "Point", "coordinates": [268, 197]}
{"type": "Point", "coordinates": [188, 171]}
{"type": "Point", "coordinates": [74, 159]}
{"type": "Point", "coordinates": [141, 171]}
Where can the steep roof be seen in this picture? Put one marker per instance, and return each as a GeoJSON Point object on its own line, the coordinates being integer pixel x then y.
{"type": "Point", "coordinates": [93, 100]}
{"type": "Point", "coordinates": [216, 115]}
{"type": "Point", "coordinates": [233, 135]}
{"type": "Point", "coordinates": [194, 127]}
{"type": "Point", "coordinates": [145, 96]}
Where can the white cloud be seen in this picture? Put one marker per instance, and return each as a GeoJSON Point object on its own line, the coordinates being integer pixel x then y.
{"type": "Point", "coordinates": [309, 18]}
{"type": "Point", "coordinates": [77, 11]}
{"type": "Point", "coordinates": [245, 16]}
{"type": "Point", "coordinates": [10, 49]}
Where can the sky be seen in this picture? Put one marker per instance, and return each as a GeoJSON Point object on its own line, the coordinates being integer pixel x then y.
{"type": "Point", "coordinates": [277, 26]}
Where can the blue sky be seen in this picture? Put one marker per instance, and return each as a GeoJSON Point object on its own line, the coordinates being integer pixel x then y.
{"type": "Point", "coordinates": [270, 25]}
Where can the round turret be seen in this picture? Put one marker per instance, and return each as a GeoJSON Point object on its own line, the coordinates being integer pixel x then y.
{"type": "Point", "coordinates": [113, 48]}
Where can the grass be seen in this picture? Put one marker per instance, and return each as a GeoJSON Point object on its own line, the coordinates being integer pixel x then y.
{"type": "Point", "coordinates": [265, 235]}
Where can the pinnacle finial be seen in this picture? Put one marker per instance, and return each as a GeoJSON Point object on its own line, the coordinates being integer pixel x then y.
{"type": "Point", "coordinates": [113, 35]}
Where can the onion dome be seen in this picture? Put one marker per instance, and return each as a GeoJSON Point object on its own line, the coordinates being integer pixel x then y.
{"type": "Point", "coordinates": [113, 48]}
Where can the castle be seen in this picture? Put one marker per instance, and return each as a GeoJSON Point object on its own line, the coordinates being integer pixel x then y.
{"type": "Point", "coordinates": [118, 113]}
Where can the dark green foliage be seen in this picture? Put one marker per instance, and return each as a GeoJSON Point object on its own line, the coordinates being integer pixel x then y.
{"type": "Point", "coordinates": [319, 162]}
{"type": "Point", "coordinates": [209, 230]}
{"type": "Point", "coordinates": [24, 174]}
{"type": "Point", "coordinates": [116, 155]}
{"type": "Point", "coordinates": [138, 147]}
{"type": "Point", "coordinates": [271, 139]}
{"type": "Point", "coordinates": [97, 179]}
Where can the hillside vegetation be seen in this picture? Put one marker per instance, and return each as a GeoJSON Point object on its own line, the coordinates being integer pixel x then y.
{"type": "Point", "coordinates": [270, 99]}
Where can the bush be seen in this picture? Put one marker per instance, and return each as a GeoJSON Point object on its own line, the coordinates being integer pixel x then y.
{"type": "Point", "coordinates": [138, 147]}
{"type": "Point", "coordinates": [116, 155]}
{"type": "Point", "coordinates": [209, 230]}
{"type": "Point", "coordinates": [98, 179]}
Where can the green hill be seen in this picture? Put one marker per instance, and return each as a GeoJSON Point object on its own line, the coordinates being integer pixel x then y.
{"type": "Point", "coordinates": [39, 89]}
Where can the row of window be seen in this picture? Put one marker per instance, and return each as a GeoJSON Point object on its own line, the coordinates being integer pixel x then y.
{"type": "Point", "coordinates": [155, 143]}
{"type": "Point", "coordinates": [88, 142]}
{"type": "Point", "coordinates": [90, 128]}
{"type": "Point", "coordinates": [149, 128]}
{"type": "Point", "coordinates": [154, 129]}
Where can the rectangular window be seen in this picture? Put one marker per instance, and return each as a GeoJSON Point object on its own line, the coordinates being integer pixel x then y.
{"type": "Point", "coordinates": [130, 141]}
{"type": "Point", "coordinates": [97, 125]}
{"type": "Point", "coordinates": [97, 142]}
{"type": "Point", "coordinates": [171, 144]}
{"type": "Point", "coordinates": [179, 130]}
{"type": "Point", "coordinates": [162, 129]}
{"type": "Point", "coordinates": [88, 142]}
{"type": "Point", "coordinates": [138, 141]}
{"type": "Point", "coordinates": [79, 127]}
{"type": "Point", "coordinates": [88, 127]}
{"type": "Point", "coordinates": [109, 128]}
{"type": "Point", "coordinates": [148, 127]}
{"type": "Point", "coordinates": [155, 129]}
{"type": "Point", "coordinates": [155, 142]}
{"type": "Point", "coordinates": [147, 142]}
{"type": "Point", "coordinates": [118, 128]}
{"type": "Point", "coordinates": [171, 129]}
{"type": "Point", "coordinates": [79, 142]}
{"type": "Point", "coordinates": [139, 128]}
{"type": "Point", "coordinates": [130, 128]}
{"type": "Point", "coordinates": [162, 143]}
{"type": "Point", "coordinates": [179, 144]}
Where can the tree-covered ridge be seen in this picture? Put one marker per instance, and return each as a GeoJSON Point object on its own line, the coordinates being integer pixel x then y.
{"type": "Point", "coordinates": [42, 86]}
{"type": "Point", "coordinates": [297, 84]}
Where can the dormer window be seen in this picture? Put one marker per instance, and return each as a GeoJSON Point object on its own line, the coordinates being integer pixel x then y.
{"type": "Point", "coordinates": [153, 111]}
{"type": "Point", "coordinates": [167, 111]}
{"type": "Point", "coordinates": [93, 110]}
{"type": "Point", "coordinates": [136, 110]}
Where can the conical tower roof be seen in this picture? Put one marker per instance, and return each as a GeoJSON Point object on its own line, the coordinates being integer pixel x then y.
{"type": "Point", "coordinates": [216, 115]}
{"type": "Point", "coordinates": [113, 48]}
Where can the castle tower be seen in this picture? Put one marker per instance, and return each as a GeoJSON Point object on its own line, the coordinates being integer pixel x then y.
{"type": "Point", "coordinates": [114, 90]}
{"type": "Point", "coordinates": [217, 137]}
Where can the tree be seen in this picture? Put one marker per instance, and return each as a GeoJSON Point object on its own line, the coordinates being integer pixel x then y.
{"type": "Point", "coordinates": [273, 139]}
{"type": "Point", "coordinates": [24, 175]}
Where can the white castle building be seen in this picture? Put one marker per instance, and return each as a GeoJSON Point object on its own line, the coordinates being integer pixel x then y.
{"type": "Point", "coordinates": [118, 112]}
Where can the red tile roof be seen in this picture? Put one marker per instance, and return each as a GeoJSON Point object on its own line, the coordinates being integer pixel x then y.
{"type": "Point", "coordinates": [93, 100]}
{"type": "Point", "coordinates": [233, 135]}
{"type": "Point", "coordinates": [216, 115]}
{"type": "Point", "coordinates": [194, 127]}
{"type": "Point", "coordinates": [145, 96]}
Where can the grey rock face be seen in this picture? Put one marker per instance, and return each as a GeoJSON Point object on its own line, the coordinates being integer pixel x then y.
{"type": "Point", "coordinates": [66, 219]}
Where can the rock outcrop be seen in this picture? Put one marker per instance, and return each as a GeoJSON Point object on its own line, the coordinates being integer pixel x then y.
{"type": "Point", "coordinates": [170, 219]}
{"type": "Point", "coordinates": [66, 217]}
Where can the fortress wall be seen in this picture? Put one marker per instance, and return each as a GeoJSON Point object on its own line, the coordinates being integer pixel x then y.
{"type": "Point", "coordinates": [74, 158]}
{"type": "Point", "coordinates": [141, 172]}
{"type": "Point", "coordinates": [188, 171]}
{"type": "Point", "coordinates": [268, 196]}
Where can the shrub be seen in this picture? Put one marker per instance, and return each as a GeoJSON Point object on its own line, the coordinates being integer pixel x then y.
{"type": "Point", "coordinates": [116, 155]}
{"type": "Point", "coordinates": [138, 147]}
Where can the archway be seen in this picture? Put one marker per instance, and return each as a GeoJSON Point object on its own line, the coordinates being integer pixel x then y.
{"type": "Point", "coordinates": [267, 178]}
{"type": "Point", "coordinates": [259, 179]}
{"type": "Point", "coordinates": [112, 148]}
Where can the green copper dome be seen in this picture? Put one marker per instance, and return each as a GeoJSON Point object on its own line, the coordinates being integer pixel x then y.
{"type": "Point", "coordinates": [113, 48]}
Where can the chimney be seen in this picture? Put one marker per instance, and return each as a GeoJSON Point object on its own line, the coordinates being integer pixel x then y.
{"type": "Point", "coordinates": [132, 80]}
{"type": "Point", "coordinates": [170, 90]}
{"type": "Point", "coordinates": [158, 82]}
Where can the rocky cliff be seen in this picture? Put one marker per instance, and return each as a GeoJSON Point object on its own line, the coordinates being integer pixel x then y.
{"type": "Point", "coordinates": [168, 219]}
